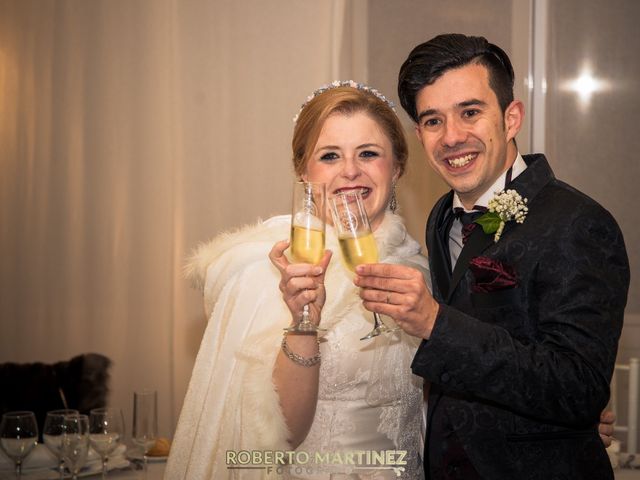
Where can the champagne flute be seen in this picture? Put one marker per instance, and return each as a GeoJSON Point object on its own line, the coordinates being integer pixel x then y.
{"type": "Point", "coordinates": [356, 240]}
{"type": "Point", "coordinates": [75, 443]}
{"type": "Point", "coordinates": [52, 434]}
{"type": "Point", "coordinates": [307, 235]}
{"type": "Point", "coordinates": [145, 421]}
{"type": "Point", "coordinates": [106, 428]}
{"type": "Point", "coordinates": [18, 436]}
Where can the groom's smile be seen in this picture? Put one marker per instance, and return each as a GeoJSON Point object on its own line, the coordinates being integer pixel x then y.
{"type": "Point", "coordinates": [459, 162]}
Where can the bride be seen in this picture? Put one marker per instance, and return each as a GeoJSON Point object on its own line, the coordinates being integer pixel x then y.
{"type": "Point", "coordinates": [306, 407]}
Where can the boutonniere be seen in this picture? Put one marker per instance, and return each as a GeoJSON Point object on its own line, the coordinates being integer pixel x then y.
{"type": "Point", "coordinates": [503, 207]}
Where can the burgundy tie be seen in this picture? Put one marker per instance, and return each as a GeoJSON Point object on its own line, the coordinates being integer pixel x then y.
{"type": "Point", "coordinates": [467, 219]}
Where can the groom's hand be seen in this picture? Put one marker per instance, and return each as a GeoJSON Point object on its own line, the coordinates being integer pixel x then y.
{"type": "Point", "coordinates": [605, 428]}
{"type": "Point", "coordinates": [399, 292]}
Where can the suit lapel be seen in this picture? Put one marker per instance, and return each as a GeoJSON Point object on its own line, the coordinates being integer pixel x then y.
{"type": "Point", "coordinates": [478, 241]}
{"type": "Point", "coordinates": [537, 175]}
{"type": "Point", "coordinates": [438, 246]}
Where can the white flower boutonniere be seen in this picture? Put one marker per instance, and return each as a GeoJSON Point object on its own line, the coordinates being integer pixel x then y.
{"type": "Point", "coordinates": [503, 207]}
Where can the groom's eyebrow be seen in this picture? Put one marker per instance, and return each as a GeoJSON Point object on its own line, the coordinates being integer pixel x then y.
{"type": "Point", "coordinates": [467, 103]}
{"type": "Point", "coordinates": [472, 103]}
{"type": "Point", "coordinates": [426, 113]}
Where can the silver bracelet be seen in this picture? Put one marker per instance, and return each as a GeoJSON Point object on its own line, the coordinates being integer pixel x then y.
{"type": "Point", "coordinates": [299, 359]}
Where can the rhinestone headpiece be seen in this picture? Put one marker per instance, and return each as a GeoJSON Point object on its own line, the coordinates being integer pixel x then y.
{"type": "Point", "coordinates": [345, 83]}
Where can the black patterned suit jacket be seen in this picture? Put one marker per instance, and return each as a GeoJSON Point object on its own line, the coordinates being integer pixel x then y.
{"type": "Point", "coordinates": [519, 376]}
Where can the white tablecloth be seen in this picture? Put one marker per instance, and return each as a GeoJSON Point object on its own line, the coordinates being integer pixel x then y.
{"type": "Point", "coordinates": [155, 472]}
{"type": "Point", "coordinates": [40, 465]}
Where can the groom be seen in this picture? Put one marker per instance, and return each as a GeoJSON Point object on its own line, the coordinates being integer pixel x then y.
{"type": "Point", "coordinates": [521, 332]}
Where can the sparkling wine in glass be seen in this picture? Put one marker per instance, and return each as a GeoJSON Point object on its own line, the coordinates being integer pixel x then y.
{"type": "Point", "coordinates": [145, 421]}
{"type": "Point", "coordinates": [307, 235]}
{"type": "Point", "coordinates": [75, 443]}
{"type": "Point", "coordinates": [106, 430]}
{"type": "Point", "coordinates": [52, 434]}
{"type": "Point", "coordinates": [18, 436]}
{"type": "Point", "coordinates": [356, 240]}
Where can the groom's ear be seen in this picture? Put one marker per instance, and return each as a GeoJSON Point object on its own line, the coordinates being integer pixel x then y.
{"type": "Point", "coordinates": [513, 118]}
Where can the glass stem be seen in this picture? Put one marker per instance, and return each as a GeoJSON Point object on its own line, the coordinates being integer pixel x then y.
{"type": "Point", "coordinates": [104, 468]}
{"type": "Point", "coordinates": [145, 464]}
{"type": "Point", "coordinates": [377, 323]}
{"type": "Point", "coordinates": [61, 469]}
{"type": "Point", "coordinates": [18, 469]}
{"type": "Point", "coordinates": [305, 316]}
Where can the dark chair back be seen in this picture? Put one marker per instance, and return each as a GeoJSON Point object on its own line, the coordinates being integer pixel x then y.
{"type": "Point", "coordinates": [81, 383]}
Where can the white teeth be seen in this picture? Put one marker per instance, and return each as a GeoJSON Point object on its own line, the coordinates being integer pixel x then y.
{"type": "Point", "coordinates": [460, 161]}
{"type": "Point", "coordinates": [363, 190]}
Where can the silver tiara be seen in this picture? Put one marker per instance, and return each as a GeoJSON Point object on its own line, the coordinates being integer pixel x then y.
{"type": "Point", "coordinates": [345, 83]}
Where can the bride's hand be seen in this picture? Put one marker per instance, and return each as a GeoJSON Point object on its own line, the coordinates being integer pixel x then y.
{"type": "Point", "coordinates": [301, 283]}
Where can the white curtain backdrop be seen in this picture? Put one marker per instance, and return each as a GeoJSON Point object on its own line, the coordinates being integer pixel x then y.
{"type": "Point", "coordinates": [131, 130]}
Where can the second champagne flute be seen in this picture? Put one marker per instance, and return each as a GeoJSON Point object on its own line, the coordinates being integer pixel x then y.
{"type": "Point", "coordinates": [307, 235]}
{"type": "Point", "coordinates": [356, 240]}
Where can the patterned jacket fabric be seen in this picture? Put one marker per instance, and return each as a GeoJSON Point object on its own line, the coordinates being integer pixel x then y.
{"type": "Point", "coordinates": [520, 375]}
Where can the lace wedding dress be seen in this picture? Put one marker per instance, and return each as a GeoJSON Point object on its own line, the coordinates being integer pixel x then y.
{"type": "Point", "coordinates": [369, 403]}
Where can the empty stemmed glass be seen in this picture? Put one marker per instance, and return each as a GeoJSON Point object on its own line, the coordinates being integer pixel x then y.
{"type": "Point", "coordinates": [106, 429]}
{"type": "Point", "coordinates": [52, 434]}
{"type": "Point", "coordinates": [145, 421]}
{"type": "Point", "coordinates": [75, 442]}
{"type": "Point", "coordinates": [307, 235]}
{"type": "Point", "coordinates": [357, 243]}
{"type": "Point", "coordinates": [18, 436]}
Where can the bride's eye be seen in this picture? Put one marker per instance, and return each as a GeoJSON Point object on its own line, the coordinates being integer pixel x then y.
{"type": "Point", "coordinates": [327, 157]}
{"type": "Point", "coordinates": [369, 154]}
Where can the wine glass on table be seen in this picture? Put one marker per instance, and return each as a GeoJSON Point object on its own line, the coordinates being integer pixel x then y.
{"type": "Point", "coordinates": [106, 429]}
{"type": "Point", "coordinates": [145, 421]}
{"type": "Point", "coordinates": [52, 434]}
{"type": "Point", "coordinates": [357, 243]}
{"type": "Point", "coordinates": [18, 436]}
{"type": "Point", "coordinates": [75, 443]}
{"type": "Point", "coordinates": [307, 235]}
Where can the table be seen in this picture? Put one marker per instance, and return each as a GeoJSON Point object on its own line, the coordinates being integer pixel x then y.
{"type": "Point", "coordinates": [155, 472]}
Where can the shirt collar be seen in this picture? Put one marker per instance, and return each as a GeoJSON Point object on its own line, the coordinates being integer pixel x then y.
{"type": "Point", "coordinates": [517, 168]}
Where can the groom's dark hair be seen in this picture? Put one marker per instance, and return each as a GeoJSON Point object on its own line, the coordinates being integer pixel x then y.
{"type": "Point", "coordinates": [429, 60]}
